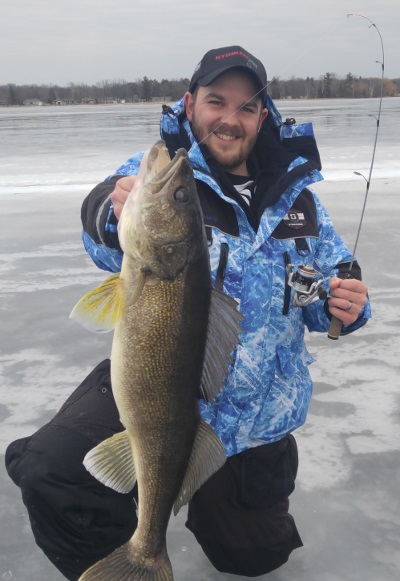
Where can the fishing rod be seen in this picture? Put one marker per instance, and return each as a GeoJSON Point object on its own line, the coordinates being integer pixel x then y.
{"type": "Point", "coordinates": [306, 281]}
{"type": "Point", "coordinates": [336, 324]}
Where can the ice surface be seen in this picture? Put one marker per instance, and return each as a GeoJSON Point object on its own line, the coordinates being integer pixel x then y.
{"type": "Point", "coordinates": [346, 503]}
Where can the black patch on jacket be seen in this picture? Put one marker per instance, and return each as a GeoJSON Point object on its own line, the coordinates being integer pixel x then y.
{"type": "Point", "coordinates": [305, 205]}
{"type": "Point", "coordinates": [217, 212]}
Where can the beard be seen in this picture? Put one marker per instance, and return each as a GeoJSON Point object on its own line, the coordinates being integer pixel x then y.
{"type": "Point", "coordinates": [228, 160]}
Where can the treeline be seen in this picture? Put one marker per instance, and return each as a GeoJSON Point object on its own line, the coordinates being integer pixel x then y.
{"type": "Point", "coordinates": [326, 86]}
{"type": "Point", "coordinates": [102, 92]}
{"type": "Point", "coordinates": [331, 86]}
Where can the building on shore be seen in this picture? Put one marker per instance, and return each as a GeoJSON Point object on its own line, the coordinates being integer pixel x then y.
{"type": "Point", "coordinates": [29, 102]}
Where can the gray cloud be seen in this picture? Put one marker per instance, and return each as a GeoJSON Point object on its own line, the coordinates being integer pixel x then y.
{"type": "Point", "coordinates": [92, 40]}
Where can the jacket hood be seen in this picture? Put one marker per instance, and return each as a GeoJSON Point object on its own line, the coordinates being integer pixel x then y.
{"type": "Point", "coordinates": [283, 151]}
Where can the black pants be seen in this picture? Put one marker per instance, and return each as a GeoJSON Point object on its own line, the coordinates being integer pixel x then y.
{"type": "Point", "coordinates": [239, 516]}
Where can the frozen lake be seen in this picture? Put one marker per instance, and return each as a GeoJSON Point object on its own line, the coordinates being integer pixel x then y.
{"type": "Point", "coordinates": [347, 500]}
{"type": "Point", "coordinates": [63, 148]}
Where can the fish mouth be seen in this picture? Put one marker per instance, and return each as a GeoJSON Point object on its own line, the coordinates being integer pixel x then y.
{"type": "Point", "coordinates": [160, 207]}
{"type": "Point", "coordinates": [160, 167]}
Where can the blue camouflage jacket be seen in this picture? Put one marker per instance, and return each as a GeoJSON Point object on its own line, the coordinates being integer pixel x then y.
{"type": "Point", "coordinates": [268, 389]}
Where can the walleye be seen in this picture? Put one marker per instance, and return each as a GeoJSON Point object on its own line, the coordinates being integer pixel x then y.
{"type": "Point", "coordinates": [173, 338]}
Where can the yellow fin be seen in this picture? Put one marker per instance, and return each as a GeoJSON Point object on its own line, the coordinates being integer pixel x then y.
{"type": "Point", "coordinates": [100, 309]}
{"type": "Point", "coordinates": [112, 464]}
{"type": "Point", "coordinates": [208, 456]}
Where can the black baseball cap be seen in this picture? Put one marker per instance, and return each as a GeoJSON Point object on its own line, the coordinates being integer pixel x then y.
{"type": "Point", "coordinates": [218, 60]}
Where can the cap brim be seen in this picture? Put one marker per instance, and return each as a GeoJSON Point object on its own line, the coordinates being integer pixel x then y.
{"type": "Point", "coordinates": [208, 79]}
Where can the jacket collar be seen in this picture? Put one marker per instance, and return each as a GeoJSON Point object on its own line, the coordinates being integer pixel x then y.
{"type": "Point", "coordinates": [282, 153]}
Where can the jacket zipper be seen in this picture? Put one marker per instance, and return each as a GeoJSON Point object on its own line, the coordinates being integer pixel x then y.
{"type": "Point", "coordinates": [287, 294]}
{"type": "Point", "coordinates": [223, 261]}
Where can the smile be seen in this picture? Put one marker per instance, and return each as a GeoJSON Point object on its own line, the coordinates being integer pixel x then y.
{"type": "Point", "coordinates": [225, 136]}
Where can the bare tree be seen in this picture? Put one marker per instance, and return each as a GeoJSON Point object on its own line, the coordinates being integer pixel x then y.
{"type": "Point", "coordinates": [328, 86]}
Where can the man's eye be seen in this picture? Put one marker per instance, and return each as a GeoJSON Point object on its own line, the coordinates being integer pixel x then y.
{"type": "Point", "coordinates": [247, 109]}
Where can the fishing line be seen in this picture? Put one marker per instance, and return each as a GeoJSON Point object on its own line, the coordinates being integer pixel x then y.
{"type": "Point", "coordinates": [336, 324]}
{"type": "Point", "coordinates": [289, 66]}
{"type": "Point", "coordinates": [382, 63]}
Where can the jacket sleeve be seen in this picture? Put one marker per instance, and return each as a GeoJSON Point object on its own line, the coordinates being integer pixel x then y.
{"type": "Point", "coordinates": [100, 225]}
{"type": "Point", "coordinates": [332, 258]}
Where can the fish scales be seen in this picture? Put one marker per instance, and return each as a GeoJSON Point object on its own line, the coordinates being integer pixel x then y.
{"type": "Point", "coordinates": [159, 353]}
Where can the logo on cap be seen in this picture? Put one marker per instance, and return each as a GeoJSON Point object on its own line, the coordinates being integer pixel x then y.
{"type": "Point", "coordinates": [233, 53]}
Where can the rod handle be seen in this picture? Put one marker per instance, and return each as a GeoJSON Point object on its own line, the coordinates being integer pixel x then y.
{"type": "Point", "coordinates": [335, 328]}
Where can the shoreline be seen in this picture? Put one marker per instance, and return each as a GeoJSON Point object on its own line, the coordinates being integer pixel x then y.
{"type": "Point", "coordinates": [171, 102]}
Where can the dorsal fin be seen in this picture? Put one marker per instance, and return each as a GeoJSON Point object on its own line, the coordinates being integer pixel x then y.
{"type": "Point", "coordinates": [222, 337]}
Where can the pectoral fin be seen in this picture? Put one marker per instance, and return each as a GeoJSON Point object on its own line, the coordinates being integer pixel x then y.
{"type": "Point", "coordinates": [222, 338]}
{"type": "Point", "coordinates": [111, 462]}
{"type": "Point", "coordinates": [100, 309]}
{"type": "Point", "coordinates": [208, 455]}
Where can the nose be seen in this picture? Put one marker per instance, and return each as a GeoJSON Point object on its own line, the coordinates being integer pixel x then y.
{"type": "Point", "coordinates": [230, 117]}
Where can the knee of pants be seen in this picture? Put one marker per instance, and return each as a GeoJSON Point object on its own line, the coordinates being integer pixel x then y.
{"type": "Point", "coordinates": [249, 562]}
{"type": "Point", "coordinates": [234, 545]}
{"type": "Point", "coordinates": [75, 519]}
{"type": "Point", "coordinates": [56, 487]}
{"type": "Point", "coordinates": [240, 515]}
{"type": "Point", "coordinates": [54, 453]}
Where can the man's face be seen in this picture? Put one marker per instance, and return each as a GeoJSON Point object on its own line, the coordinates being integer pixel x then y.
{"type": "Point", "coordinates": [227, 117]}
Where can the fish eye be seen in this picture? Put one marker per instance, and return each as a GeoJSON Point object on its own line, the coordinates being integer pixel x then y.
{"type": "Point", "coordinates": [181, 196]}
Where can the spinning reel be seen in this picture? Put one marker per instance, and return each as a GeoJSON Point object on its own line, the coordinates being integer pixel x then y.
{"type": "Point", "coordinates": [306, 282]}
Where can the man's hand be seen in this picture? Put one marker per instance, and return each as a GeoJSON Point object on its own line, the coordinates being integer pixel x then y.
{"type": "Point", "coordinates": [349, 295]}
{"type": "Point", "coordinates": [123, 188]}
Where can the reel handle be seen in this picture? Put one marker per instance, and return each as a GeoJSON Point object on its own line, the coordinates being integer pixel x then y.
{"type": "Point", "coordinates": [335, 328]}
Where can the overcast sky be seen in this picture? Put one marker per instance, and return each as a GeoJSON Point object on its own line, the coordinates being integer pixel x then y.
{"type": "Point", "coordinates": [58, 42]}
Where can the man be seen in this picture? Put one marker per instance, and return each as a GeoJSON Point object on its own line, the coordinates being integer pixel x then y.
{"type": "Point", "coordinates": [253, 175]}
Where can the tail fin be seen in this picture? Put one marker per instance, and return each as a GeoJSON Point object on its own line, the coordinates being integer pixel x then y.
{"type": "Point", "coordinates": [122, 565]}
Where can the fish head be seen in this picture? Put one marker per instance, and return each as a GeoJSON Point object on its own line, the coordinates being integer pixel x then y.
{"type": "Point", "coordinates": [161, 225]}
